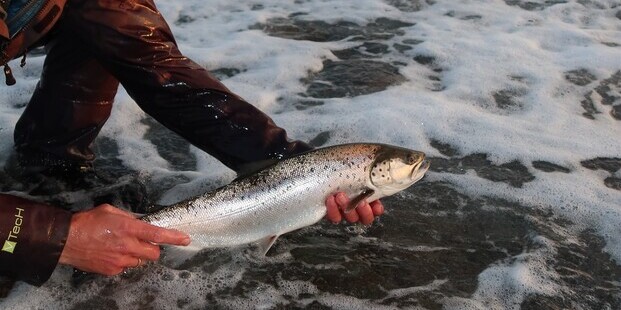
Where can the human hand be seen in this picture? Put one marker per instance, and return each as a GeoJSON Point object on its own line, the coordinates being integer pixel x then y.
{"type": "Point", "coordinates": [107, 240]}
{"type": "Point", "coordinates": [365, 212]}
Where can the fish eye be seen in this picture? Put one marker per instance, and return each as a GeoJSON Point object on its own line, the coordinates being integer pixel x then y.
{"type": "Point", "coordinates": [411, 160]}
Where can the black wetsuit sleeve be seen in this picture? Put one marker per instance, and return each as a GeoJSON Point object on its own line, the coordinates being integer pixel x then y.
{"type": "Point", "coordinates": [32, 237]}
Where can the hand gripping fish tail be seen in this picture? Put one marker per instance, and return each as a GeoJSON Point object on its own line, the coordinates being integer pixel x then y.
{"type": "Point", "coordinates": [290, 194]}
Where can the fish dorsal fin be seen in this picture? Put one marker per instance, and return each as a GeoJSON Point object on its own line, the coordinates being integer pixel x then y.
{"type": "Point", "coordinates": [266, 243]}
{"type": "Point", "coordinates": [254, 167]}
{"type": "Point", "coordinates": [353, 204]}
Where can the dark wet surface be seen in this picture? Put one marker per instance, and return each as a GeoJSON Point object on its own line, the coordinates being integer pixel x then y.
{"type": "Point", "coordinates": [444, 148]}
{"type": "Point", "coordinates": [306, 103]}
{"type": "Point", "coordinates": [612, 165]}
{"type": "Point", "coordinates": [435, 71]}
{"type": "Point", "coordinates": [410, 5]}
{"type": "Point", "coordinates": [508, 99]}
{"type": "Point", "coordinates": [513, 173]}
{"type": "Point", "coordinates": [605, 95]}
{"type": "Point", "coordinates": [350, 78]}
{"type": "Point", "coordinates": [366, 50]}
{"type": "Point", "coordinates": [463, 16]}
{"type": "Point", "coordinates": [434, 237]}
{"type": "Point", "coordinates": [402, 47]}
{"type": "Point", "coordinates": [224, 73]}
{"type": "Point", "coordinates": [612, 182]}
{"type": "Point", "coordinates": [170, 146]}
{"type": "Point", "coordinates": [609, 164]}
{"type": "Point", "coordinates": [321, 139]}
{"type": "Point", "coordinates": [448, 240]}
{"type": "Point", "coordinates": [616, 112]}
{"type": "Point", "coordinates": [536, 5]}
{"type": "Point", "coordinates": [458, 237]}
{"type": "Point", "coordinates": [97, 303]}
{"type": "Point", "coordinates": [320, 31]}
{"type": "Point", "coordinates": [184, 19]}
{"type": "Point", "coordinates": [359, 70]}
{"type": "Point", "coordinates": [549, 167]}
{"type": "Point", "coordinates": [580, 77]}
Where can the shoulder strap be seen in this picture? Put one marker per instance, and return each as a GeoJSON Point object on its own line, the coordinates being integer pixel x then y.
{"type": "Point", "coordinates": [41, 24]}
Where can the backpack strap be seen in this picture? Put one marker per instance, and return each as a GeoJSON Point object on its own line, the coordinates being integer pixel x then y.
{"type": "Point", "coordinates": [41, 24]}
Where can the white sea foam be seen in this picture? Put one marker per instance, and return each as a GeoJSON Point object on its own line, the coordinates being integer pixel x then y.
{"type": "Point", "coordinates": [507, 48]}
{"type": "Point", "coordinates": [507, 285]}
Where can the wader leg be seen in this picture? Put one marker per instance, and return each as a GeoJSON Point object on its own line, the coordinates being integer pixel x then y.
{"type": "Point", "coordinates": [71, 103]}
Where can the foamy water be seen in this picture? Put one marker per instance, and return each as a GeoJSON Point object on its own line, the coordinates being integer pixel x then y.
{"type": "Point", "coordinates": [519, 104]}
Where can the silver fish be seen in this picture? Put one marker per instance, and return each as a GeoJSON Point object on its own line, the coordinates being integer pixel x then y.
{"type": "Point", "coordinates": [291, 194]}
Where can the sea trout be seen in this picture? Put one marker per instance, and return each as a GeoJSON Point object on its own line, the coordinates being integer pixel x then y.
{"type": "Point", "coordinates": [291, 194]}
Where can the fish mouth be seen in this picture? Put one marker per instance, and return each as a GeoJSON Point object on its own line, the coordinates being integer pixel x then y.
{"type": "Point", "coordinates": [419, 170]}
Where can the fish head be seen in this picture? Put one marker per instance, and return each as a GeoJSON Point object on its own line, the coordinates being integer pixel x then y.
{"type": "Point", "coordinates": [395, 169]}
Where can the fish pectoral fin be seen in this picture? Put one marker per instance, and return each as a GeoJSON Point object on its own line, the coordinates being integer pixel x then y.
{"type": "Point", "coordinates": [353, 204]}
{"type": "Point", "coordinates": [266, 244]}
{"type": "Point", "coordinates": [177, 255]}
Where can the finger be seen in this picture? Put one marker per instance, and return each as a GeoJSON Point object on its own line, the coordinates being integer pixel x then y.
{"type": "Point", "coordinates": [365, 213]}
{"type": "Point", "coordinates": [144, 250]}
{"type": "Point", "coordinates": [341, 200]}
{"type": "Point", "coordinates": [149, 233]}
{"type": "Point", "coordinates": [333, 210]}
{"type": "Point", "coordinates": [351, 217]}
{"type": "Point", "coordinates": [377, 207]}
{"type": "Point", "coordinates": [129, 262]}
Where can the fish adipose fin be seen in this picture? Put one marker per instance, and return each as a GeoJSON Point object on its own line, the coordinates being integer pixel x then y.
{"type": "Point", "coordinates": [266, 243]}
{"type": "Point", "coordinates": [353, 204]}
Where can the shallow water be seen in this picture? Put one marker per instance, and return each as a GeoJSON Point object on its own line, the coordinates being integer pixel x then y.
{"type": "Point", "coordinates": [517, 103]}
